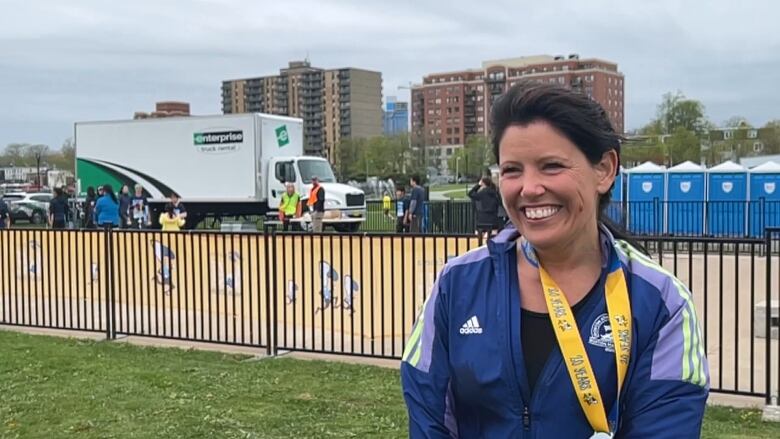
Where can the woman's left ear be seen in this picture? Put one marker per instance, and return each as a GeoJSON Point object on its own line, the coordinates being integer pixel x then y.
{"type": "Point", "coordinates": [606, 169]}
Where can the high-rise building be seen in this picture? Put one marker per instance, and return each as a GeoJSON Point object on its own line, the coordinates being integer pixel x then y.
{"type": "Point", "coordinates": [333, 103]}
{"type": "Point", "coordinates": [396, 116]}
{"type": "Point", "coordinates": [448, 108]}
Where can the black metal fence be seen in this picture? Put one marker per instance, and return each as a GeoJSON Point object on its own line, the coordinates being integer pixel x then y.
{"type": "Point", "coordinates": [737, 219]}
{"type": "Point", "coordinates": [350, 294]}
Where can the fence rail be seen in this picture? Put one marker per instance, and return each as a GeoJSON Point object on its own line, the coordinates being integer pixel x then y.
{"type": "Point", "coordinates": [350, 294]}
{"type": "Point", "coordinates": [741, 219]}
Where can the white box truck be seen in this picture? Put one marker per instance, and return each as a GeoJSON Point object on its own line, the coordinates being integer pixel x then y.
{"type": "Point", "coordinates": [221, 166]}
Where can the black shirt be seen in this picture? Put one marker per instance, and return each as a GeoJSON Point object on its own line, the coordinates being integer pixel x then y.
{"type": "Point", "coordinates": [4, 213]}
{"type": "Point", "coordinates": [179, 208]}
{"type": "Point", "coordinates": [58, 208]}
{"type": "Point", "coordinates": [538, 337]}
{"type": "Point", "coordinates": [487, 203]}
{"type": "Point", "coordinates": [417, 197]}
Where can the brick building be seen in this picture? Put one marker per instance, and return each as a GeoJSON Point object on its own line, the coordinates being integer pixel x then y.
{"type": "Point", "coordinates": [449, 107]}
{"type": "Point", "coordinates": [333, 103]}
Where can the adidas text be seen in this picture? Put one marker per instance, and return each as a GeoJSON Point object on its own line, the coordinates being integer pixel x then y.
{"type": "Point", "coordinates": [471, 327]}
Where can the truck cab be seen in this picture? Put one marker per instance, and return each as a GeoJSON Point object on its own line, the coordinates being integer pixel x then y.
{"type": "Point", "coordinates": [345, 206]}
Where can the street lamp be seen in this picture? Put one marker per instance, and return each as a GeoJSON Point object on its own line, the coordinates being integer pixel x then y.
{"type": "Point", "coordinates": [457, 163]}
{"type": "Point", "coordinates": [38, 169]}
{"type": "Point", "coordinates": [409, 124]}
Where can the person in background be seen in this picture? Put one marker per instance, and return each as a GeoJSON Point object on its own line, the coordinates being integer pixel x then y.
{"type": "Point", "coordinates": [100, 191]}
{"type": "Point", "coordinates": [89, 208]}
{"type": "Point", "coordinates": [58, 210]}
{"type": "Point", "coordinates": [178, 206]}
{"type": "Point", "coordinates": [387, 204]}
{"type": "Point", "coordinates": [401, 209]}
{"type": "Point", "coordinates": [139, 209]}
{"type": "Point", "coordinates": [124, 207]}
{"type": "Point", "coordinates": [290, 207]}
{"type": "Point", "coordinates": [5, 215]}
{"type": "Point", "coordinates": [414, 214]}
{"type": "Point", "coordinates": [170, 220]}
{"type": "Point", "coordinates": [107, 208]}
{"type": "Point", "coordinates": [316, 203]}
{"type": "Point", "coordinates": [487, 200]}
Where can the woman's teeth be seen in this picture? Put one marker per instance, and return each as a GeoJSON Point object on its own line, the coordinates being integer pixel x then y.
{"type": "Point", "coordinates": [540, 212]}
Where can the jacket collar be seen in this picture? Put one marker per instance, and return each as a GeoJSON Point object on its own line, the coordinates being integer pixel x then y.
{"type": "Point", "coordinates": [506, 240]}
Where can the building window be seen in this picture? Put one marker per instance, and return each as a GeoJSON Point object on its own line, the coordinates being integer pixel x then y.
{"type": "Point", "coordinates": [758, 146]}
{"type": "Point", "coordinates": [752, 134]}
{"type": "Point", "coordinates": [728, 134]}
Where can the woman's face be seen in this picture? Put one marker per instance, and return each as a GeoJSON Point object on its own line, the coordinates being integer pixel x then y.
{"type": "Point", "coordinates": [549, 187]}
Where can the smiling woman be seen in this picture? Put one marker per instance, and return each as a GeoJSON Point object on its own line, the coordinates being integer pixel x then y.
{"type": "Point", "coordinates": [607, 339]}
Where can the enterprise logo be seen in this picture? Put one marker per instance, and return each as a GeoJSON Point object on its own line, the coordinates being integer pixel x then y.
{"type": "Point", "coordinates": [218, 141]}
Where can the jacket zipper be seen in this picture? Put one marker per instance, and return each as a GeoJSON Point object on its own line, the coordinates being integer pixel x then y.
{"type": "Point", "coordinates": [526, 419]}
{"type": "Point", "coordinates": [526, 415]}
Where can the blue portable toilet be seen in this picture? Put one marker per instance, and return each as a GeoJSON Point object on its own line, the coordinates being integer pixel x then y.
{"type": "Point", "coordinates": [685, 191]}
{"type": "Point", "coordinates": [764, 182]}
{"type": "Point", "coordinates": [645, 198]}
{"type": "Point", "coordinates": [615, 208]}
{"type": "Point", "coordinates": [727, 199]}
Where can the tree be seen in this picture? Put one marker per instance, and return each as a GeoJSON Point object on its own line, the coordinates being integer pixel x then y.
{"type": "Point", "coordinates": [681, 146]}
{"type": "Point", "coordinates": [675, 110]}
{"type": "Point", "coordinates": [770, 137]}
{"type": "Point", "coordinates": [475, 157]}
{"type": "Point", "coordinates": [736, 121]}
{"type": "Point", "coordinates": [14, 154]}
{"type": "Point", "coordinates": [380, 156]}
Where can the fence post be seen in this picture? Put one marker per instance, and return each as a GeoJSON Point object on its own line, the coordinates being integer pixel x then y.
{"type": "Point", "coordinates": [771, 409]}
{"type": "Point", "coordinates": [273, 297]}
{"type": "Point", "coordinates": [110, 299]}
{"type": "Point", "coordinates": [268, 271]}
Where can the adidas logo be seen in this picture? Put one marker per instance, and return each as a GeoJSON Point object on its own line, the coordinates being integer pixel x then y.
{"type": "Point", "coordinates": [471, 327]}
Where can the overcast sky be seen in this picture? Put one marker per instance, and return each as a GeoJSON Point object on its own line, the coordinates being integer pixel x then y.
{"type": "Point", "coordinates": [68, 61]}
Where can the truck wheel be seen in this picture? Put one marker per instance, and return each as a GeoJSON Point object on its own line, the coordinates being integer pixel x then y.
{"type": "Point", "coordinates": [37, 218]}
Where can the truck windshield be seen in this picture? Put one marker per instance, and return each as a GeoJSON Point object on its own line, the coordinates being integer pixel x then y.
{"type": "Point", "coordinates": [320, 168]}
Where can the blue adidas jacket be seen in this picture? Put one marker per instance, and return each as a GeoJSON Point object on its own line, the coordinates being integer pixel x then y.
{"type": "Point", "coordinates": [472, 383]}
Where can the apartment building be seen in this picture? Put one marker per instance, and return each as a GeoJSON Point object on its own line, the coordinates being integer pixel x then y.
{"type": "Point", "coordinates": [333, 103]}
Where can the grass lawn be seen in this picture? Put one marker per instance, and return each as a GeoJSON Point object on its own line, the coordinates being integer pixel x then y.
{"type": "Point", "coordinates": [52, 387]}
{"type": "Point", "coordinates": [451, 187]}
{"type": "Point", "coordinates": [457, 194]}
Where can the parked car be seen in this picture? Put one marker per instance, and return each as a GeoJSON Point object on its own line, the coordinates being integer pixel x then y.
{"type": "Point", "coordinates": [30, 207]}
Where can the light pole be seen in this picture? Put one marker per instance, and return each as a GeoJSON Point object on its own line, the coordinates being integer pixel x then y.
{"type": "Point", "coordinates": [457, 166]}
{"type": "Point", "coordinates": [408, 126]}
{"type": "Point", "coordinates": [38, 169]}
